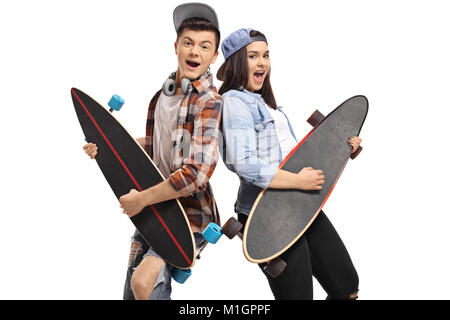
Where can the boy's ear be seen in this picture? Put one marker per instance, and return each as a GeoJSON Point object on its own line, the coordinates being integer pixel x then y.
{"type": "Point", "coordinates": [175, 46]}
{"type": "Point", "coordinates": [215, 57]}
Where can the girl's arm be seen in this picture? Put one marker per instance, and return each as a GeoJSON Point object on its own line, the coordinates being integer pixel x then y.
{"type": "Point", "coordinates": [241, 152]}
{"type": "Point", "coordinates": [306, 179]}
{"type": "Point", "coordinates": [241, 144]}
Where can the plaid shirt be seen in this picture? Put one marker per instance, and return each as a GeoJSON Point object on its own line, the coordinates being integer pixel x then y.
{"type": "Point", "coordinates": [195, 153]}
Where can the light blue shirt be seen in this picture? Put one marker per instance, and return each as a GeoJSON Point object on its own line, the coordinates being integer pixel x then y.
{"type": "Point", "coordinates": [250, 145]}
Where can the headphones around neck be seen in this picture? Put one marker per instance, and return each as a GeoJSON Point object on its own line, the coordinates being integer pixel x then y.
{"type": "Point", "coordinates": [170, 86]}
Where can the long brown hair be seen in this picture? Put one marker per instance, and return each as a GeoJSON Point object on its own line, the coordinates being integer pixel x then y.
{"type": "Point", "coordinates": [236, 75]}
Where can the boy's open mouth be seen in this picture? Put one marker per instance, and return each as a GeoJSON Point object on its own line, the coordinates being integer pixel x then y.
{"type": "Point", "coordinates": [192, 64]}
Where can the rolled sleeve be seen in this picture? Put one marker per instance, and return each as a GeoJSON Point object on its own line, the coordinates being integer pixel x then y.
{"type": "Point", "coordinates": [199, 166]}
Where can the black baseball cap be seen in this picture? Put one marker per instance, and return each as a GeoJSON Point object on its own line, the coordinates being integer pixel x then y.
{"type": "Point", "coordinates": [194, 10]}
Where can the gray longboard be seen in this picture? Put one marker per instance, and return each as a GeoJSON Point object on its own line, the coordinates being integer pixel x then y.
{"type": "Point", "coordinates": [280, 217]}
{"type": "Point", "coordinates": [127, 166]}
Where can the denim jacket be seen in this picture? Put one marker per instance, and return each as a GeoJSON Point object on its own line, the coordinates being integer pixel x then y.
{"type": "Point", "coordinates": [250, 144]}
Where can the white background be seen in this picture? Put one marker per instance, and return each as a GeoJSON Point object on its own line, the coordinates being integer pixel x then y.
{"type": "Point", "coordinates": [62, 234]}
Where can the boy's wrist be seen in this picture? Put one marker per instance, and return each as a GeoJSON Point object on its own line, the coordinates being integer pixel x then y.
{"type": "Point", "coordinates": [145, 197]}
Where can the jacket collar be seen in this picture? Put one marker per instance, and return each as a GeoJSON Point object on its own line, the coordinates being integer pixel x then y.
{"type": "Point", "coordinates": [252, 94]}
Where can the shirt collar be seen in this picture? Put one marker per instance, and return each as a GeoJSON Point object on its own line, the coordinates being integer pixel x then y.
{"type": "Point", "coordinates": [203, 84]}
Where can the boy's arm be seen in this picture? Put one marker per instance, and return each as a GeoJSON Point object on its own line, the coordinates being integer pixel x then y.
{"type": "Point", "coordinates": [202, 150]}
{"type": "Point", "coordinates": [133, 202]}
{"type": "Point", "coordinates": [196, 169]}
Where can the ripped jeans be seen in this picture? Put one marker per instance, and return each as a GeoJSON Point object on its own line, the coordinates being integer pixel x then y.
{"type": "Point", "coordinates": [138, 251]}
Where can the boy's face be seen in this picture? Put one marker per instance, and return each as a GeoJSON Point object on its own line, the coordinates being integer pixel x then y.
{"type": "Point", "coordinates": [195, 52]}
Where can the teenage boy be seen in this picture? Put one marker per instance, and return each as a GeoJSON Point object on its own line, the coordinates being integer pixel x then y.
{"type": "Point", "coordinates": [182, 135]}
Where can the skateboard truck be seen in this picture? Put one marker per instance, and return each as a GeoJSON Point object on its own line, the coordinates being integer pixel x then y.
{"type": "Point", "coordinates": [115, 103]}
{"type": "Point", "coordinates": [316, 118]}
{"type": "Point", "coordinates": [275, 267]}
{"type": "Point", "coordinates": [233, 228]}
{"type": "Point", "coordinates": [213, 232]}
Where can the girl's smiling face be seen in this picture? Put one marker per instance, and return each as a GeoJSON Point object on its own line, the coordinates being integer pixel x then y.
{"type": "Point", "coordinates": [258, 61]}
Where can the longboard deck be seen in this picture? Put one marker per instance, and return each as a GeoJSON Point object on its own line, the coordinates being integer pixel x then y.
{"type": "Point", "coordinates": [127, 166]}
{"type": "Point", "coordinates": [279, 217]}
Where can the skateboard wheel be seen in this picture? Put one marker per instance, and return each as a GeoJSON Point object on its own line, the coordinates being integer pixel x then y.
{"type": "Point", "coordinates": [116, 102]}
{"type": "Point", "coordinates": [231, 228]}
{"type": "Point", "coordinates": [181, 275]}
{"type": "Point", "coordinates": [355, 154]}
{"type": "Point", "coordinates": [212, 233]}
{"type": "Point", "coordinates": [275, 267]}
{"type": "Point", "coordinates": [315, 118]}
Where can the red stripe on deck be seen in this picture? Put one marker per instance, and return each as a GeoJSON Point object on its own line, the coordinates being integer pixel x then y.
{"type": "Point", "coordinates": [295, 149]}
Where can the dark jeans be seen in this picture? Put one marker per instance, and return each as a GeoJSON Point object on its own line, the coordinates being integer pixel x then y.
{"type": "Point", "coordinates": [321, 253]}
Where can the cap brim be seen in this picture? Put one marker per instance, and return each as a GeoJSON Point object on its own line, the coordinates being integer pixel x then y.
{"type": "Point", "coordinates": [194, 10]}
